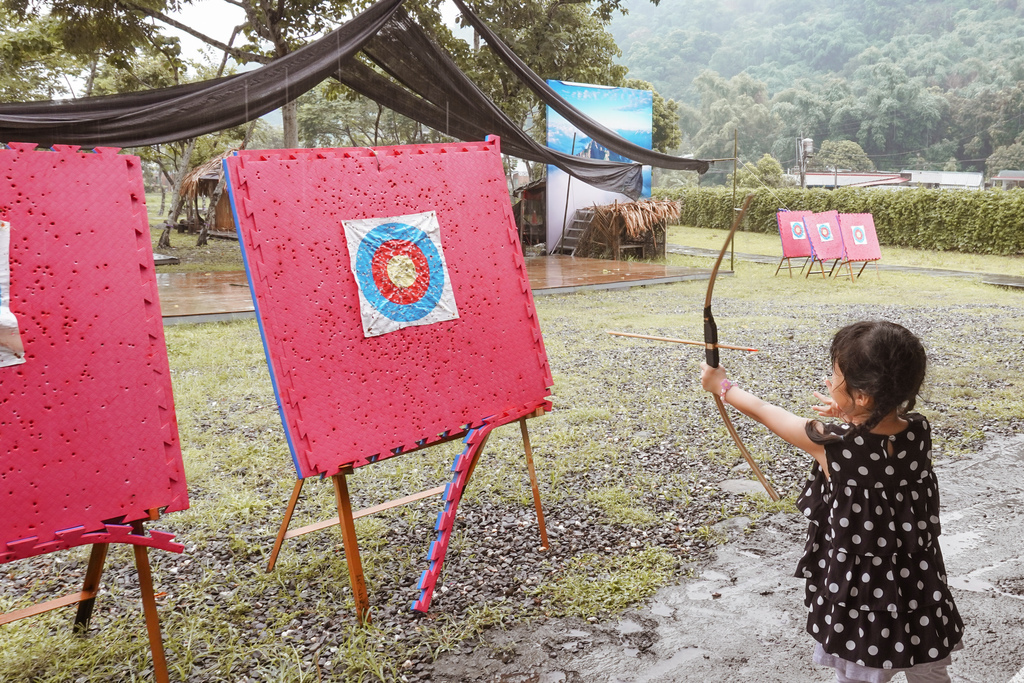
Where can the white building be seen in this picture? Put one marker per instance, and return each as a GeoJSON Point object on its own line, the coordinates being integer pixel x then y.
{"type": "Point", "coordinates": [946, 180]}
{"type": "Point", "coordinates": [833, 179]}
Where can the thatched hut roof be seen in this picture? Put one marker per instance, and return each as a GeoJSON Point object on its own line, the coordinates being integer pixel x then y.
{"type": "Point", "coordinates": [204, 178]}
{"type": "Point", "coordinates": [636, 218]}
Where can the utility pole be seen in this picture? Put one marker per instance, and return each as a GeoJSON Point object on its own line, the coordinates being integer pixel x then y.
{"type": "Point", "coordinates": [804, 151]}
{"type": "Point", "coordinates": [735, 160]}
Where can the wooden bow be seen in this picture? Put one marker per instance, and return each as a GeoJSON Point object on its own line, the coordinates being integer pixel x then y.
{"type": "Point", "coordinates": [711, 347]}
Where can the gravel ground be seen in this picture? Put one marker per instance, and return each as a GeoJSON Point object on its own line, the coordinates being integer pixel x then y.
{"type": "Point", "coordinates": [653, 434]}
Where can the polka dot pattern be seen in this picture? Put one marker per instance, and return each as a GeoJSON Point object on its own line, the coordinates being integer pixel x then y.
{"type": "Point", "coordinates": [875, 581]}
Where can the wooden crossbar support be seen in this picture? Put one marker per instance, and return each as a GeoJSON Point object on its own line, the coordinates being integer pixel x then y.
{"type": "Point", "coordinates": [334, 521]}
{"type": "Point", "coordinates": [42, 607]}
{"type": "Point", "coordinates": [86, 599]}
{"type": "Point", "coordinates": [788, 260]}
{"type": "Point", "coordinates": [810, 268]}
{"type": "Point", "coordinates": [346, 516]}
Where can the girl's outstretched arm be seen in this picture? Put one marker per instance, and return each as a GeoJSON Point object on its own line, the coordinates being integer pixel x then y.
{"type": "Point", "coordinates": [785, 424]}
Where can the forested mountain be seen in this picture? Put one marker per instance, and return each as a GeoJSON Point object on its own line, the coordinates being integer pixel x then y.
{"type": "Point", "coordinates": [922, 83]}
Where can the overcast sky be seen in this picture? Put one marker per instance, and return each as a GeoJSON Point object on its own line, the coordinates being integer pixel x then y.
{"type": "Point", "coordinates": [217, 19]}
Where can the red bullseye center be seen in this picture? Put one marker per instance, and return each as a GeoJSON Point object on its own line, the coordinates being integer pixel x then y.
{"type": "Point", "coordinates": [391, 290]}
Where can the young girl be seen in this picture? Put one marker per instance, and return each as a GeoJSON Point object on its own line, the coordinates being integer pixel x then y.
{"type": "Point", "coordinates": [876, 590]}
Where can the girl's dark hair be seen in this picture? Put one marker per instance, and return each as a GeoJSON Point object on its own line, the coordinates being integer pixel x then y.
{"type": "Point", "coordinates": [882, 360]}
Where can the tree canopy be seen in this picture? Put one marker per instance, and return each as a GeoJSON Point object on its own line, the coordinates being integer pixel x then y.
{"type": "Point", "coordinates": [927, 81]}
{"type": "Point", "coordinates": [767, 172]}
{"type": "Point", "coordinates": [842, 155]}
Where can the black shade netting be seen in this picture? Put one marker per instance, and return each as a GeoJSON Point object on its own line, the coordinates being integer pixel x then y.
{"type": "Point", "coordinates": [428, 87]}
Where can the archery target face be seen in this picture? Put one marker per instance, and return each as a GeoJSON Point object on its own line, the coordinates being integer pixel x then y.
{"type": "Point", "coordinates": [797, 227]}
{"type": "Point", "coordinates": [859, 235]}
{"type": "Point", "coordinates": [400, 271]}
{"type": "Point", "coordinates": [825, 232]}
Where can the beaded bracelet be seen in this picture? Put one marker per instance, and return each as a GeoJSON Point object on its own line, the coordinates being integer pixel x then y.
{"type": "Point", "coordinates": [726, 386]}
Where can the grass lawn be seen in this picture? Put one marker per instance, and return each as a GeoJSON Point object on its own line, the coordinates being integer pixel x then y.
{"type": "Point", "coordinates": [629, 463]}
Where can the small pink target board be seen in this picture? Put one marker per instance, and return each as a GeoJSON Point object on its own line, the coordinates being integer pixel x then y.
{"type": "Point", "coordinates": [88, 436]}
{"type": "Point", "coordinates": [793, 233]}
{"type": "Point", "coordinates": [858, 230]}
{"type": "Point", "coordinates": [823, 232]}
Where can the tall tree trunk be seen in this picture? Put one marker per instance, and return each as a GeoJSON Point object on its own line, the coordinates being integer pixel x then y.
{"type": "Point", "coordinates": [290, 120]}
{"type": "Point", "coordinates": [92, 77]}
{"type": "Point", "coordinates": [176, 198]}
{"type": "Point", "coordinates": [163, 188]}
{"type": "Point", "coordinates": [211, 210]}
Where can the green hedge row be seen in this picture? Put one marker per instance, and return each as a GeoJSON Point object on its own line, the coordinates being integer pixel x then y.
{"type": "Point", "coordinates": [979, 222]}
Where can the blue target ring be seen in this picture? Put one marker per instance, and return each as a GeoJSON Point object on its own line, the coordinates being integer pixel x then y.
{"type": "Point", "coordinates": [368, 287]}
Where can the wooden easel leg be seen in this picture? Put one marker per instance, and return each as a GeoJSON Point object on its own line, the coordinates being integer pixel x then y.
{"type": "Point", "coordinates": [289, 511]}
{"type": "Point", "coordinates": [348, 534]}
{"type": "Point", "coordinates": [533, 484]}
{"type": "Point", "coordinates": [156, 644]}
{"type": "Point", "coordinates": [93, 572]}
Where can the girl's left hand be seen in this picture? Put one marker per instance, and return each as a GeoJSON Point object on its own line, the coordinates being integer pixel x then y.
{"type": "Point", "coordinates": [711, 378]}
{"type": "Point", "coordinates": [829, 407]}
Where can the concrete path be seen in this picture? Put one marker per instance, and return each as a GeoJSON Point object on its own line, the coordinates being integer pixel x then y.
{"type": "Point", "coordinates": [988, 278]}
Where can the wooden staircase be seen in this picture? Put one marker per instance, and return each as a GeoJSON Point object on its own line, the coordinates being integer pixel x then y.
{"type": "Point", "coordinates": [581, 220]}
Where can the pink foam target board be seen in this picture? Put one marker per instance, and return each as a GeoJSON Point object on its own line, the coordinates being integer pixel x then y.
{"type": "Point", "coordinates": [823, 232]}
{"type": "Point", "coordinates": [391, 294]}
{"type": "Point", "coordinates": [793, 233]}
{"type": "Point", "coordinates": [88, 436]}
{"type": "Point", "coordinates": [858, 230]}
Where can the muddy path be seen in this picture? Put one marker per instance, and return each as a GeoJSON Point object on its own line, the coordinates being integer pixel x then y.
{"type": "Point", "coordinates": [742, 617]}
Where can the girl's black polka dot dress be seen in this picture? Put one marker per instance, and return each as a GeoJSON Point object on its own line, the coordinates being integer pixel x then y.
{"type": "Point", "coordinates": [876, 585]}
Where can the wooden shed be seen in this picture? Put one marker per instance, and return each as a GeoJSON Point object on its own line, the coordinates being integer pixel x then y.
{"type": "Point", "coordinates": [202, 181]}
{"type": "Point", "coordinates": [636, 229]}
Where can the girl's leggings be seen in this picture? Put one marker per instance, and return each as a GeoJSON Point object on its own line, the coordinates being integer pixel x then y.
{"type": "Point", "coordinates": [933, 672]}
{"type": "Point", "coordinates": [848, 672]}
